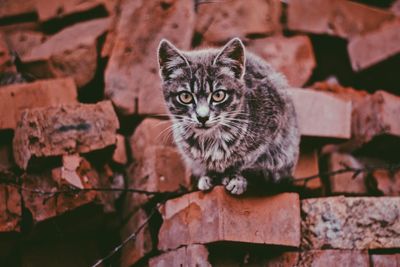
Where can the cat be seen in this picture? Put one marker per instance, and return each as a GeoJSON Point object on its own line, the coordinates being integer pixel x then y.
{"type": "Point", "coordinates": [231, 114]}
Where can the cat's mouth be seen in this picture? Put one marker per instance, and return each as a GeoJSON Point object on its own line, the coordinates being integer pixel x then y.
{"type": "Point", "coordinates": [203, 126]}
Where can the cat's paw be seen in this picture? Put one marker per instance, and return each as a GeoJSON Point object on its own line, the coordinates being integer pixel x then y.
{"type": "Point", "coordinates": [237, 185]}
{"type": "Point", "coordinates": [225, 181]}
{"type": "Point", "coordinates": [204, 183]}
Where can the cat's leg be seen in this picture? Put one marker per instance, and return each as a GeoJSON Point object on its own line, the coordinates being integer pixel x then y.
{"type": "Point", "coordinates": [236, 184]}
{"type": "Point", "coordinates": [205, 183]}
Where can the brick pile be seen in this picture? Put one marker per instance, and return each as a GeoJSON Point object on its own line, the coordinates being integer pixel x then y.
{"type": "Point", "coordinates": [81, 109]}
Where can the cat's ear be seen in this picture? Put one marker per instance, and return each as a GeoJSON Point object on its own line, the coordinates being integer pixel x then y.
{"type": "Point", "coordinates": [170, 59]}
{"type": "Point", "coordinates": [232, 58]}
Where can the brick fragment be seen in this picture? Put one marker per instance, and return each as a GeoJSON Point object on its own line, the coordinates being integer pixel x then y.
{"type": "Point", "coordinates": [335, 17]}
{"type": "Point", "coordinates": [6, 64]}
{"type": "Point", "coordinates": [10, 8]}
{"type": "Point", "coordinates": [262, 220]}
{"type": "Point", "coordinates": [224, 20]}
{"type": "Point", "coordinates": [321, 115]}
{"type": "Point", "coordinates": [62, 130]}
{"type": "Point", "coordinates": [351, 223]}
{"type": "Point", "coordinates": [22, 41]}
{"type": "Point", "coordinates": [70, 52]}
{"type": "Point", "coordinates": [307, 166]}
{"type": "Point", "coordinates": [119, 155]}
{"type": "Point", "coordinates": [375, 46]}
{"type": "Point", "coordinates": [150, 132]}
{"type": "Point", "coordinates": [10, 209]}
{"type": "Point", "coordinates": [60, 8]}
{"type": "Point", "coordinates": [293, 56]}
{"type": "Point", "coordinates": [190, 256]}
{"type": "Point", "coordinates": [17, 97]}
{"type": "Point", "coordinates": [75, 172]}
{"type": "Point", "coordinates": [141, 245]}
{"type": "Point", "coordinates": [385, 260]}
{"type": "Point", "coordinates": [387, 182]}
{"type": "Point", "coordinates": [346, 183]}
{"type": "Point", "coordinates": [133, 54]}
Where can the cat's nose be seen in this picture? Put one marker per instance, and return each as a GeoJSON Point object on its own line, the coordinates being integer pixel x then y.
{"type": "Point", "coordinates": [203, 119]}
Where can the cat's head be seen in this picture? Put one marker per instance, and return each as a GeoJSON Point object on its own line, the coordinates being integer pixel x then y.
{"type": "Point", "coordinates": [203, 89]}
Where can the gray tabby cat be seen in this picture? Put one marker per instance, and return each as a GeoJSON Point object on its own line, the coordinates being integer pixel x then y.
{"type": "Point", "coordinates": [231, 114]}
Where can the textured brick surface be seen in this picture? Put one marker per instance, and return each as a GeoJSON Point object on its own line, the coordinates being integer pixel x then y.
{"type": "Point", "coordinates": [389, 260]}
{"type": "Point", "coordinates": [307, 166]}
{"type": "Point", "coordinates": [120, 156]}
{"type": "Point", "coordinates": [216, 216]}
{"type": "Point", "coordinates": [292, 56]}
{"type": "Point", "coordinates": [351, 223]}
{"type": "Point", "coordinates": [324, 258]}
{"type": "Point", "coordinates": [132, 93]}
{"type": "Point", "coordinates": [68, 129]}
{"type": "Point", "coordinates": [190, 256]}
{"type": "Point", "coordinates": [321, 115]}
{"type": "Point", "coordinates": [15, 98]}
{"type": "Point", "coordinates": [22, 41]}
{"type": "Point", "coordinates": [11, 8]}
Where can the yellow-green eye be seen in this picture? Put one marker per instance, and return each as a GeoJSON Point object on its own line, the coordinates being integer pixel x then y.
{"type": "Point", "coordinates": [218, 96]}
{"type": "Point", "coordinates": [185, 97]}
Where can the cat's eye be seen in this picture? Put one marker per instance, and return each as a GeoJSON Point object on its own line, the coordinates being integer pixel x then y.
{"type": "Point", "coordinates": [218, 96]}
{"type": "Point", "coordinates": [185, 97]}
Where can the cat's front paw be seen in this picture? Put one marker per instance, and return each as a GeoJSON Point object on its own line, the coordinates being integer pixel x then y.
{"type": "Point", "coordinates": [237, 185]}
{"type": "Point", "coordinates": [204, 183]}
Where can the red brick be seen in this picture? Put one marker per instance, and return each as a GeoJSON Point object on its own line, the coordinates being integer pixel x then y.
{"type": "Point", "coordinates": [62, 130]}
{"type": "Point", "coordinates": [335, 17]}
{"type": "Point", "coordinates": [60, 8]}
{"type": "Point", "coordinates": [343, 258]}
{"type": "Point", "coordinates": [346, 93]}
{"type": "Point", "coordinates": [6, 64]}
{"type": "Point", "coordinates": [150, 132]}
{"type": "Point", "coordinates": [75, 172]}
{"type": "Point", "coordinates": [321, 114]}
{"type": "Point", "coordinates": [70, 52]}
{"type": "Point", "coordinates": [345, 183]}
{"type": "Point", "coordinates": [11, 8]}
{"type": "Point", "coordinates": [139, 246]}
{"type": "Point", "coordinates": [307, 166]}
{"type": "Point", "coordinates": [293, 56]}
{"type": "Point", "coordinates": [22, 41]}
{"type": "Point", "coordinates": [262, 220]}
{"type": "Point", "coordinates": [350, 223]}
{"type": "Point", "coordinates": [119, 155]}
{"type": "Point", "coordinates": [387, 183]}
{"type": "Point", "coordinates": [134, 52]}
{"type": "Point", "coordinates": [17, 97]}
{"type": "Point", "coordinates": [161, 169]}
{"type": "Point", "coordinates": [220, 21]}
{"type": "Point", "coordinates": [385, 260]}
{"type": "Point", "coordinates": [375, 46]}
{"type": "Point", "coordinates": [10, 209]}
{"type": "Point", "coordinates": [190, 256]}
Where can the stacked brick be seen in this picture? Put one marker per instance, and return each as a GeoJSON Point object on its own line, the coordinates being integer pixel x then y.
{"type": "Point", "coordinates": [80, 63]}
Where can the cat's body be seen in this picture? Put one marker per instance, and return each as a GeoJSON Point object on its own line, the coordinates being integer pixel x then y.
{"type": "Point", "coordinates": [254, 127]}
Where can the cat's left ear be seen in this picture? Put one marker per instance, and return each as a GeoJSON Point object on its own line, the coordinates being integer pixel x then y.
{"type": "Point", "coordinates": [170, 59]}
{"type": "Point", "coordinates": [232, 58]}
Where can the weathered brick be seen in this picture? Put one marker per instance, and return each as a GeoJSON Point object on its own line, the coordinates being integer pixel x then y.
{"type": "Point", "coordinates": [62, 130]}
{"type": "Point", "coordinates": [10, 209]}
{"type": "Point", "coordinates": [70, 52]}
{"type": "Point", "coordinates": [335, 17]}
{"type": "Point", "coordinates": [22, 41]}
{"type": "Point", "coordinates": [343, 258]}
{"type": "Point", "coordinates": [223, 20]}
{"type": "Point", "coordinates": [385, 260]}
{"type": "Point", "coordinates": [262, 220]}
{"type": "Point", "coordinates": [293, 56]}
{"type": "Point", "coordinates": [307, 166]}
{"type": "Point", "coordinates": [150, 132]}
{"type": "Point", "coordinates": [119, 155]}
{"type": "Point", "coordinates": [60, 8]}
{"type": "Point", "coordinates": [346, 183]}
{"type": "Point", "coordinates": [351, 222]}
{"type": "Point", "coordinates": [375, 46]}
{"type": "Point", "coordinates": [11, 8]}
{"type": "Point", "coordinates": [17, 97]}
{"type": "Point", "coordinates": [139, 246]}
{"type": "Point", "coordinates": [134, 52]}
{"type": "Point", "coordinates": [387, 182]}
{"type": "Point", "coordinates": [321, 114]}
{"type": "Point", "coordinates": [6, 64]}
{"type": "Point", "coordinates": [188, 256]}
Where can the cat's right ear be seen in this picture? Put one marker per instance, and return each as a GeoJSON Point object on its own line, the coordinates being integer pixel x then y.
{"type": "Point", "coordinates": [170, 60]}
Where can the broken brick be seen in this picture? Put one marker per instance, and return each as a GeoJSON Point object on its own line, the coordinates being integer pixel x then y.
{"type": "Point", "coordinates": [320, 114]}
{"type": "Point", "coordinates": [150, 132]}
{"type": "Point", "coordinates": [119, 155]}
{"type": "Point", "coordinates": [10, 209]}
{"type": "Point", "coordinates": [22, 41]}
{"type": "Point", "coordinates": [10, 8]}
{"type": "Point", "coordinates": [376, 46]}
{"type": "Point", "coordinates": [262, 220]}
{"type": "Point", "coordinates": [335, 17]}
{"type": "Point", "coordinates": [6, 64]}
{"type": "Point", "coordinates": [293, 56]}
{"type": "Point", "coordinates": [350, 222]}
{"type": "Point", "coordinates": [307, 165]}
{"type": "Point", "coordinates": [70, 52]}
{"type": "Point", "coordinates": [141, 245]}
{"type": "Point", "coordinates": [221, 21]}
{"type": "Point", "coordinates": [385, 260]}
{"type": "Point", "coordinates": [17, 97]}
{"type": "Point", "coordinates": [190, 256]}
{"type": "Point", "coordinates": [346, 183]}
{"type": "Point", "coordinates": [135, 49]}
{"type": "Point", "coordinates": [62, 130]}
{"type": "Point", "coordinates": [387, 182]}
